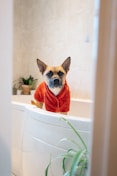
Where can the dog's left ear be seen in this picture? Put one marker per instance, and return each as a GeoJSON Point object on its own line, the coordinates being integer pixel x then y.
{"type": "Point", "coordinates": [66, 64]}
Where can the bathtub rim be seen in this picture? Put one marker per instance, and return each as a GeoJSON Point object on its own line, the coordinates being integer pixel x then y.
{"type": "Point", "coordinates": [33, 108]}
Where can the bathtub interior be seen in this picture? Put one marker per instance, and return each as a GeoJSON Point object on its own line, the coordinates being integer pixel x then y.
{"type": "Point", "coordinates": [36, 135]}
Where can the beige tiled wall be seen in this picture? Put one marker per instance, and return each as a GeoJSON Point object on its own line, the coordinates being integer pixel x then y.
{"type": "Point", "coordinates": [53, 30]}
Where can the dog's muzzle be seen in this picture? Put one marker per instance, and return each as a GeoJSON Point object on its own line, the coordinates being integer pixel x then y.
{"type": "Point", "coordinates": [55, 82]}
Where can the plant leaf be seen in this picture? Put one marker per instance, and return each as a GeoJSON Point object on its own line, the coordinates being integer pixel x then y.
{"type": "Point", "coordinates": [47, 169]}
{"type": "Point", "coordinates": [76, 132]}
{"type": "Point", "coordinates": [76, 162]}
{"type": "Point", "coordinates": [70, 140]}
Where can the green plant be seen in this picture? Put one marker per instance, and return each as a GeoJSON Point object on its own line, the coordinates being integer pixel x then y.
{"type": "Point", "coordinates": [77, 158]}
{"type": "Point", "coordinates": [27, 81]}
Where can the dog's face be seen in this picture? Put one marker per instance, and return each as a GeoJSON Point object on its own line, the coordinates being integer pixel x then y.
{"type": "Point", "coordinates": [54, 76]}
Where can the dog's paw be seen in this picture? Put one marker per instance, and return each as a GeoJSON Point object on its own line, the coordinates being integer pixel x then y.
{"type": "Point", "coordinates": [32, 102]}
{"type": "Point", "coordinates": [37, 104]}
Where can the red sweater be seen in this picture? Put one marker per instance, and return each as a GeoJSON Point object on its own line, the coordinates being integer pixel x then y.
{"type": "Point", "coordinates": [59, 103]}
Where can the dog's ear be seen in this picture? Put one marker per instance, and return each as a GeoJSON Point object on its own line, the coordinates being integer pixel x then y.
{"type": "Point", "coordinates": [66, 64]}
{"type": "Point", "coordinates": [42, 66]}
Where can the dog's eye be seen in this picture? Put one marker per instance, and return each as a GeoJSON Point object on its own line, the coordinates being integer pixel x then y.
{"type": "Point", "coordinates": [60, 73]}
{"type": "Point", "coordinates": [49, 74]}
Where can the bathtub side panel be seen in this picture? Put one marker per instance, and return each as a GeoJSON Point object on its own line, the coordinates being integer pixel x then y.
{"type": "Point", "coordinates": [41, 138]}
{"type": "Point", "coordinates": [18, 121]}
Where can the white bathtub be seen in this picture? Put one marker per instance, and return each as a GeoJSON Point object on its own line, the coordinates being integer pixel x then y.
{"type": "Point", "coordinates": [36, 132]}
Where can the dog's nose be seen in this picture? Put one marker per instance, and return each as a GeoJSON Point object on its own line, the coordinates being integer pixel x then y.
{"type": "Point", "coordinates": [56, 82]}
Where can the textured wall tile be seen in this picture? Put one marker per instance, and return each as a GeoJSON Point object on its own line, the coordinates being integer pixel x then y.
{"type": "Point", "coordinates": [53, 30]}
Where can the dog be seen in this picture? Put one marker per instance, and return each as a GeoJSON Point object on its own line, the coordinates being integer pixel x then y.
{"type": "Point", "coordinates": [54, 91]}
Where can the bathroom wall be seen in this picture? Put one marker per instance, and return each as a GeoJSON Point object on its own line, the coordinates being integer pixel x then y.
{"type": "Point", "coordinates": [53, 30]}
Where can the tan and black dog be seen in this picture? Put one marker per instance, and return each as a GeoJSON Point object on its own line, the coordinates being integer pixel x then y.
{"type": "Point", "coordinates": [54, 91]}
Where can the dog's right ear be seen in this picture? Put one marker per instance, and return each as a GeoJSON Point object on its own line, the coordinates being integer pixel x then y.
{"type": "Point", "coordinates": [42, 66]}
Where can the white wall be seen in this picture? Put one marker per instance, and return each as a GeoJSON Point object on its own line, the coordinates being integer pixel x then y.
{"type": "Point", "coordinates": [5, 85]}
{"type": "Point", "coordinates": [53, 30]}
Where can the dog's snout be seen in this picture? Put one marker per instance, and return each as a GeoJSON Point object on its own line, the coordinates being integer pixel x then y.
{"type": "Point", "coordinates": [56, 81]}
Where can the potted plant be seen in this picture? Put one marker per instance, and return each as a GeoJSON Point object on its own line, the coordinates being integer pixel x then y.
{"type": "Point", "coordinates": [77, 159]}
{"type": "Point", "coordinates": [27, 84]}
